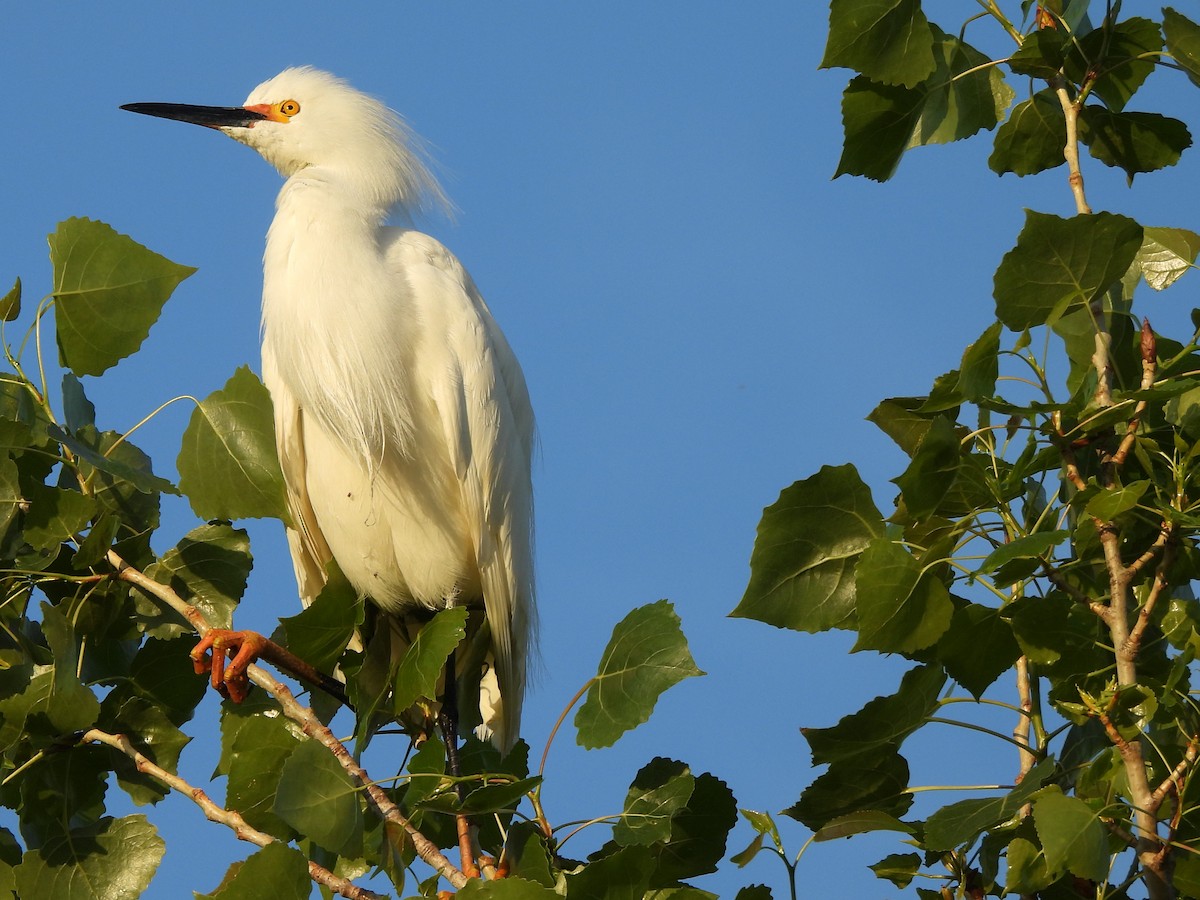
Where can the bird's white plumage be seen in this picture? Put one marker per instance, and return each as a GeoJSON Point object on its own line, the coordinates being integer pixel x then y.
{"type": "Point", "coordinates": [403, 422]}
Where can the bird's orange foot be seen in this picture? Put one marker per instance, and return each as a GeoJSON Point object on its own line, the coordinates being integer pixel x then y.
{"type": "Point", "coordinates": [241, 647]}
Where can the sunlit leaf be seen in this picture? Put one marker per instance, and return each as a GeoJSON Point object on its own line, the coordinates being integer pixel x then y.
{"type": "Point", "coordinates": [900, 607]}
{"type": "Point", "coordinates": [259, 749]}
{"type": "Point", "coordinates": [108, 859]}
{"type": "Point", "coordinates": [1029, 546]}
{"type": "Point", "coordinates": [662, 788]}
{"type": "Point", "coordinates": [319, 633]}
{"type": "Point", "coordinates": [646, 654]}
{"type": "Point", "coordinates": [318, 798]}
{"type": "Point", "coordinates": [1072, 835]}
{"type": "Point", "coordinates": [108, 291]}
{"type": "Point", "coordinates": [1107, 505]}
{"type": "Point", "coordinates": [1059, 264]}
{"type": "Point", "coordinates": [228, 467]}
{"type": "Point", "coordinates": [1166, 254]}
{"type": "Point", "coordinates": [980, 366]}
{"type": "Point", "coordinates": [959, 823]}
{"type": "Point", "coordinates": [208, 568]}
{"type": "Point", "coordinates": [10, 303]}
{"type": "Point", "coordinates": [71, 707]}
{"type": "Point", "coordinates": [861, 823]}
{"type": "Point", "coordinates": [1183, 42]}
{"type": "Point", "coordinates": [421, 667]}
{"type": "Point", "coordinates": [802, 567]}
{"type": "Point", "coordinates": [278, 865]}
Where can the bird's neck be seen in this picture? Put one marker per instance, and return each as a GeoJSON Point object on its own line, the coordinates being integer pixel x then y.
{"type": "Point", "coordinates": [334, 315]}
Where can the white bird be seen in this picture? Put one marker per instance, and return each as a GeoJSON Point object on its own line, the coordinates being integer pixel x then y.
{"type": "Point", "coordinates": [402, 417]}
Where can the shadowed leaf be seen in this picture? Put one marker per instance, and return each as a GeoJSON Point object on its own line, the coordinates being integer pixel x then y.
{"type": "Point", "coordinates": [277, 865]}
{"type": "Point", "coordinates": [321, 632]}
{"type": "Point", "coordinates": [900, 607]}
{"type": "Point", "coordinates": [890, 41]}
{"type": "Point", "coordinates": [802, 567]}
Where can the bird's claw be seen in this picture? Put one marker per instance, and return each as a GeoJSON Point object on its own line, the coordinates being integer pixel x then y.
{"type": "Point", "coordinates": [241, 647]}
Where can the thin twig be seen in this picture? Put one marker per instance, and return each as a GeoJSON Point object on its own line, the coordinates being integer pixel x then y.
{"type": "Point", "coordinates": [229, 818]}
{"type": "Point", "coordinates": [309, 723]}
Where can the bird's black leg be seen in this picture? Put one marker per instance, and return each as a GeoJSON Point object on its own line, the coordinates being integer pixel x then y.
{"type": "Point", "coordinates": [448, 723]}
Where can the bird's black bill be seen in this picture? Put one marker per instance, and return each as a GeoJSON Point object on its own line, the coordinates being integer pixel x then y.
{"type": "Point", "coordinates": [208, 116]}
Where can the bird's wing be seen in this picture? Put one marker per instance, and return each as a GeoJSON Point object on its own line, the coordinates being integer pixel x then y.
{"type": "Point", "coordinates": [480, 394]}
{"type": "Point", "coordinates": [310, 552]}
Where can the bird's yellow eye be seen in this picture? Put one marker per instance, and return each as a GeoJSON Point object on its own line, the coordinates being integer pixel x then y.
{"type": "Point", "coordinates": [289, 108]}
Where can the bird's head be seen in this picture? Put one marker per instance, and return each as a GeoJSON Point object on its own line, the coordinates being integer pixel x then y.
{"type": "Point", "coordinates": [305, 117]}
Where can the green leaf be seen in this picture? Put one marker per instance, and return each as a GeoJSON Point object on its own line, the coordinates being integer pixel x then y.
{"type": "Point", "coordinates": [904, 421]}
{"type": "Point", "coordinates": [876, 782]}
{"type": "Point", "coordinates": [78, 410]}
{"type": "Point", "coordinates": [881, 121]}
{"type": "Point", "coordinates": [108, 291]}
{"type": "Point", "coordinates": [1041, 54]}
{"type": "Point", "coordinates": [153, 734]}
{"type": "Point", "coordinates": [898, 868]}
{"type": "Point", "coordinates": [646, 654]}
{"type": "Point", "coordinates": [1072, 835]}
{"type": "Point", "coordinates": [980, 366]}
{"type": "Point", "coordinates": [228, 467]}
{"type": "Point", "coordinates": [900, 608]}
{"type": "Point", "coordinates": [623, 875]}
{"type": "Point", "coordinates": [861, 823]}
{"type": "Point", "coordinates": [754, 892]}
{"type": "Point", "coordinates": [208, 568]}
{"type": "Point", "coordinates": [1032, 139]}
{"type": "Point", "coordinates": [977, 648]}
{"type": "Point", "coordinates": [10, 303]}
{"type": "Point", "coordinates": [318, 798]}
{"type": "Point", "coordinates": [62, 793]}
{"type": "Point", "coordinates": [882, 724]}
{"type": "Point", "coordinates": [55, 515]}
{"type": "Point", "coordinates": [699, 832]}
{"type": "Point", "coordinates": [72, 707]}
{"type": "Point", "coordinates": [112, 858]}
{"type": "Point", "coordinates": [254, 764]}
{"type": "Point", "coordinates": [136, 474]}
{"type": "Point", "coordinates": [1046, 629]}
{"type": "Point", "coordinates": [418, 672]}
{"type": "Point", "coordinates": [1166, 254]}
{"type": "Point", "coordinates": [1107, 505]}
{"type": "Point", "coordinates": [1122, 55]}
{"type": "Point", "coordinates": [277, 865]}
{"type": "Point", "coordinates": [1183, 42]}
{"type": "Point", "coordinates": [320, 633]}
{"type": "Point", "coordinates": [661, 789]}
{"type": "Point", "coordinates": [1133, 141]}
{"type": "Point", "coordinates": [1059, 264]}
{"type": "Point", "coordinates": [933, 469]}
{"type": "Point", "coordinates": [1029, 546]}
{"type": "Point", "coordinates": [802, 567]}
{"type": "Point", "coordinates": [509, 889]}
{"type": "Point", "coordinates": [890, 41]}
{"type": "Point", "coordinates": [959, 824]}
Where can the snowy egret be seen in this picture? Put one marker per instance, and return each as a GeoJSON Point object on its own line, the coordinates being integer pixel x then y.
{"type": "Point", "coordinates": [402, 419]}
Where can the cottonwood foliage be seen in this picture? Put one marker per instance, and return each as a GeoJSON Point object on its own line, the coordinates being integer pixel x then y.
{"type": "Point", "coordinates": [1042, 544]}
{"type": "Point", "coordinates": [96, 679]}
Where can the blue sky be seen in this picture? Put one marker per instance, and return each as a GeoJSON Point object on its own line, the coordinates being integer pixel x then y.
{"type": "Point", "coordinates": [644, 196]}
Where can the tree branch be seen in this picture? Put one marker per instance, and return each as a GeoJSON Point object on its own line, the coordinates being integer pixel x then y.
{"type": "Point", "coordinates": [309, 723]}
{"type": "Point", "coordinates": [229, 818]}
